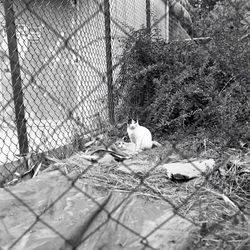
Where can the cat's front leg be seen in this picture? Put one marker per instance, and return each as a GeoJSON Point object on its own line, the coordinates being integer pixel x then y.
{"type": "Point", "coordinates": [138, 147]}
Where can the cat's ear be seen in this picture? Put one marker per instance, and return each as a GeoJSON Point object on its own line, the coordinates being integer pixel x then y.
{"type": "Point", "coordinates": [137, 122]}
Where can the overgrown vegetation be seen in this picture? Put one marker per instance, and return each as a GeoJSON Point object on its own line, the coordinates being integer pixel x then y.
{"type": "Point", "coordinates": [196, 87]}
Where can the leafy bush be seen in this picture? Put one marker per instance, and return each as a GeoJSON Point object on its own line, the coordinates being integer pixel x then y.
{"type": "Point", "coordinates": [189, 86]}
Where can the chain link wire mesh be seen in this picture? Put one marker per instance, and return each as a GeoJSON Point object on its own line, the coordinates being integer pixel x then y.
{"type": "Point", "coordinates": [59, 63]}
{"type": "Point", "coordinates": [51, 50]}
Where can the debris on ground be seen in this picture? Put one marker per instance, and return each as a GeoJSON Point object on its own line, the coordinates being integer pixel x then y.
{"type": "Point", "coordinates": [209, 210]}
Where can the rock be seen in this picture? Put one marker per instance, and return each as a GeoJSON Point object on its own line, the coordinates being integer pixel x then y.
{"type": "Point", "coordinates": [188, 169]}
{"type": "Point", "coordinates": [178, 170]}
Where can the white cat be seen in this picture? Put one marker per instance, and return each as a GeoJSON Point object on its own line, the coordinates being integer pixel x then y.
{"type": "Point", "coordinates": [139, 135]}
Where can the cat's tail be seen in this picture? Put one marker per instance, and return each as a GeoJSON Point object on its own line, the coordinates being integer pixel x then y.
{"type": "Point", "coordinates": [156, 144]}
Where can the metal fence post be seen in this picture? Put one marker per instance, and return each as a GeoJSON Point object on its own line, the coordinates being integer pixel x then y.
{"type": "Point", "coordinates": [167, 20]}
{"type": "Point", "coordinates": [16, 77]}
{"type": "Point", "coordinates": [148, 16]}
{"type": "Point", "coordinates": [109, 61]}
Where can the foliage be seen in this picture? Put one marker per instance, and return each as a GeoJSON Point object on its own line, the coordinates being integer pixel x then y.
{"type": "Point", "coordinates": [190, 86]}
{"type": "Point", "coordinates": [203, 5]}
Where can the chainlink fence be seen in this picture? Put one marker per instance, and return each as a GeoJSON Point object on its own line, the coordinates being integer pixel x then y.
{"type": "Point", "coordinates": [59, 63]}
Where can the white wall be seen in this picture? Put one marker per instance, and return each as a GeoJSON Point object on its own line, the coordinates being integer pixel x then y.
{"type": "Point", "coordinates": [159, 10]}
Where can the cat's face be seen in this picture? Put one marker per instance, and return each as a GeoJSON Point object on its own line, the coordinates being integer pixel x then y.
{"type": "Point", "coordinates": [132, 124]}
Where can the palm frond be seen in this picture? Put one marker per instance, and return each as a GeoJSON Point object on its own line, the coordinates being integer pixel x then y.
{"type": "Point", "coordinates": [185, 4]}
{"type": "Point", "coordinates": [181, 9]}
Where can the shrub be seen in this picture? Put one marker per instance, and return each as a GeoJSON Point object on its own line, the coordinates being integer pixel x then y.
{"type": "Point", "coordinates": [188, 86]}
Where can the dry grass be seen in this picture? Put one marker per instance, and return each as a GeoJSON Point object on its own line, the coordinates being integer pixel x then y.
{"type": "Point", "coordinates": [219, 202]}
